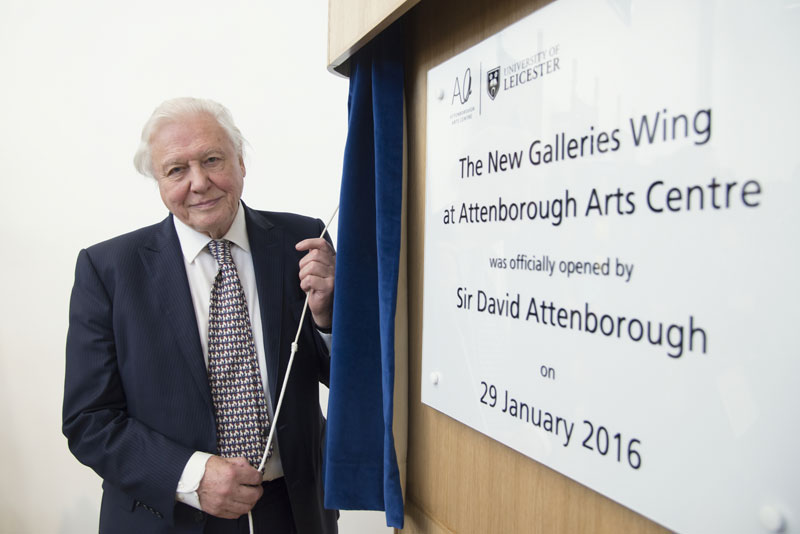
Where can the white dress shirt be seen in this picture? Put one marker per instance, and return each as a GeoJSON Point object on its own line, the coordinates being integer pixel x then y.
{"type": "Point", "coordinates": [201, 270]}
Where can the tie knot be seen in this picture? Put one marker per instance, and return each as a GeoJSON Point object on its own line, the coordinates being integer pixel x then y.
{"type": "Point", "coordinates": [221, 250]}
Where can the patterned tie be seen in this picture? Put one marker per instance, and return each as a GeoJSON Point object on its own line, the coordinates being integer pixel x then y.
{"type": "Point", "coordinates": [239, 404]}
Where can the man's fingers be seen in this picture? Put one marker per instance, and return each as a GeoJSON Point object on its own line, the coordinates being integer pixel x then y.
{"type": "Point", "coordinates": [318, 267]}
{"type": "Point", "coordinates": [317, 272]}
{"type": "Point", "coordinates": [237, 504]}
{"type": "Point", "coordinates": [319, 252]}
{"type": "Point", "coordinates": [229, 488]}
{"type": "Point", "coordinates": [244, 472]}
{"type": "Point", "coordinates": [314, 243]}
{"type": "Point", "coordinates": [315, 257]}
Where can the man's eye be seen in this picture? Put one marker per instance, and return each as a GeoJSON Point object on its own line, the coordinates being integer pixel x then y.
{"type": "Point", "coordinates": [174, 171]}
{"type": "Point", "coordinates": [213, 160]}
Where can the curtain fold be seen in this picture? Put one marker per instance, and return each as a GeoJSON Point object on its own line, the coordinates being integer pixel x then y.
{"type": "Point", "coordinates": [361, 471]}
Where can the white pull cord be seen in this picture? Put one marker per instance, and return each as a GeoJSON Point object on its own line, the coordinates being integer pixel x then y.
{"type": "Point", "coordinates": [274, 424]}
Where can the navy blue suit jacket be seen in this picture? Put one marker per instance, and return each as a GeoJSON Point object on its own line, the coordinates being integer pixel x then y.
{"type": "Point", "coordinates": [137, 402]}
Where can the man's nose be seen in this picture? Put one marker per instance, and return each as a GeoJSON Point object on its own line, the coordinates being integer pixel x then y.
{"type": "Point", "coordinates": [199, 178]}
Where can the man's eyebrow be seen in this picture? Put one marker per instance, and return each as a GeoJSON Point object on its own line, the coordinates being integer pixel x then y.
{"type": "Point", "coordinates": [204, 154]}
{"type": "Point", "coordinates": [172, 163]}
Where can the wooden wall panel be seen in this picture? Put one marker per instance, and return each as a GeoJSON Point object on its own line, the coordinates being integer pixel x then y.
{"type": "Point", "coordinates": [352, 23]}
{"type": "Point", "coordinates": [458, 480]}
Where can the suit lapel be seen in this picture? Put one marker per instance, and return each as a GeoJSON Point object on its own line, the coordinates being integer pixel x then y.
{"type": "Point", "coordinates": [163, 259]}
{"type": "Point", "coordinates": [266, 247]}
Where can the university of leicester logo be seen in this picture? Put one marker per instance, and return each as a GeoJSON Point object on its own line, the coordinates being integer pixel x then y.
{"type": "Point", "coordinates": [493, 82]}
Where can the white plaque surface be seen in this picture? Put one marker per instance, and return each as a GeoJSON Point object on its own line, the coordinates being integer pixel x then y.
{"type": "Point", "coordinates": [611, 253]}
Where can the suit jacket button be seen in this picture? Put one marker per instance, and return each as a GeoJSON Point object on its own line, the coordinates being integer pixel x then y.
{"type": "Point", "coordinates": [199, 516]}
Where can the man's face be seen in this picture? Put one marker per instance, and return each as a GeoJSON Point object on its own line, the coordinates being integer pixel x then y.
{"type": "Point", "coordinates": [199, 174]}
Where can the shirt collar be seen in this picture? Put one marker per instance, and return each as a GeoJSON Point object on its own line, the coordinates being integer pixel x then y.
{"type": "Point", "coordinates": [194, 242]}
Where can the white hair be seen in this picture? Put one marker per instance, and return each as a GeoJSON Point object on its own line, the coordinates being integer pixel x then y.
{"type": "Point", "coordinates": [171, 110]}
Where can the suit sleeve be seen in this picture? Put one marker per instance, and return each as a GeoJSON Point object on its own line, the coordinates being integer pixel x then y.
{"type": "Point", "coordinates": [143, 463]}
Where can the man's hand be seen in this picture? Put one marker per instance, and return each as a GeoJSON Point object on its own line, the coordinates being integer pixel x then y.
{"type": "Point", "coordinates": [230, 487]}
{"type": "Point", "coordinates": [317, 270]}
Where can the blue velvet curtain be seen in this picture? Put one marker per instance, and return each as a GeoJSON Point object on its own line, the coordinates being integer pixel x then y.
{"type": "Point", "coordinates": [361, 470]}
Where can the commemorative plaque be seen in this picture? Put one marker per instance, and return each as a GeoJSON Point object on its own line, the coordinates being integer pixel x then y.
{"type": "Point", "coordinates": [611, 252]}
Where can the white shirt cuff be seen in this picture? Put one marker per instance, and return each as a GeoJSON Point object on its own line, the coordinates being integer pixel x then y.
{"type": "Point", "coordinates": [326, 338]}
{"type": "Point", "coordinates": [190, 479]}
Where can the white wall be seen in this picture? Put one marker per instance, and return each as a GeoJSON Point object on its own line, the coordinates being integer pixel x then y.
{"type": "Point", "coordinates": [78, 80]}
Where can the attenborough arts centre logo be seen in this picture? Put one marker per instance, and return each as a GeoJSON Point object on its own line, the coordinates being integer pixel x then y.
{"type": "Point", "coordinates": [462, 88]}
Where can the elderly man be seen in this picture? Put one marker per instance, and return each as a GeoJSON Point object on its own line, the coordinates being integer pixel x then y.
{"type": "Point", "coordinates": [179, 337]}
